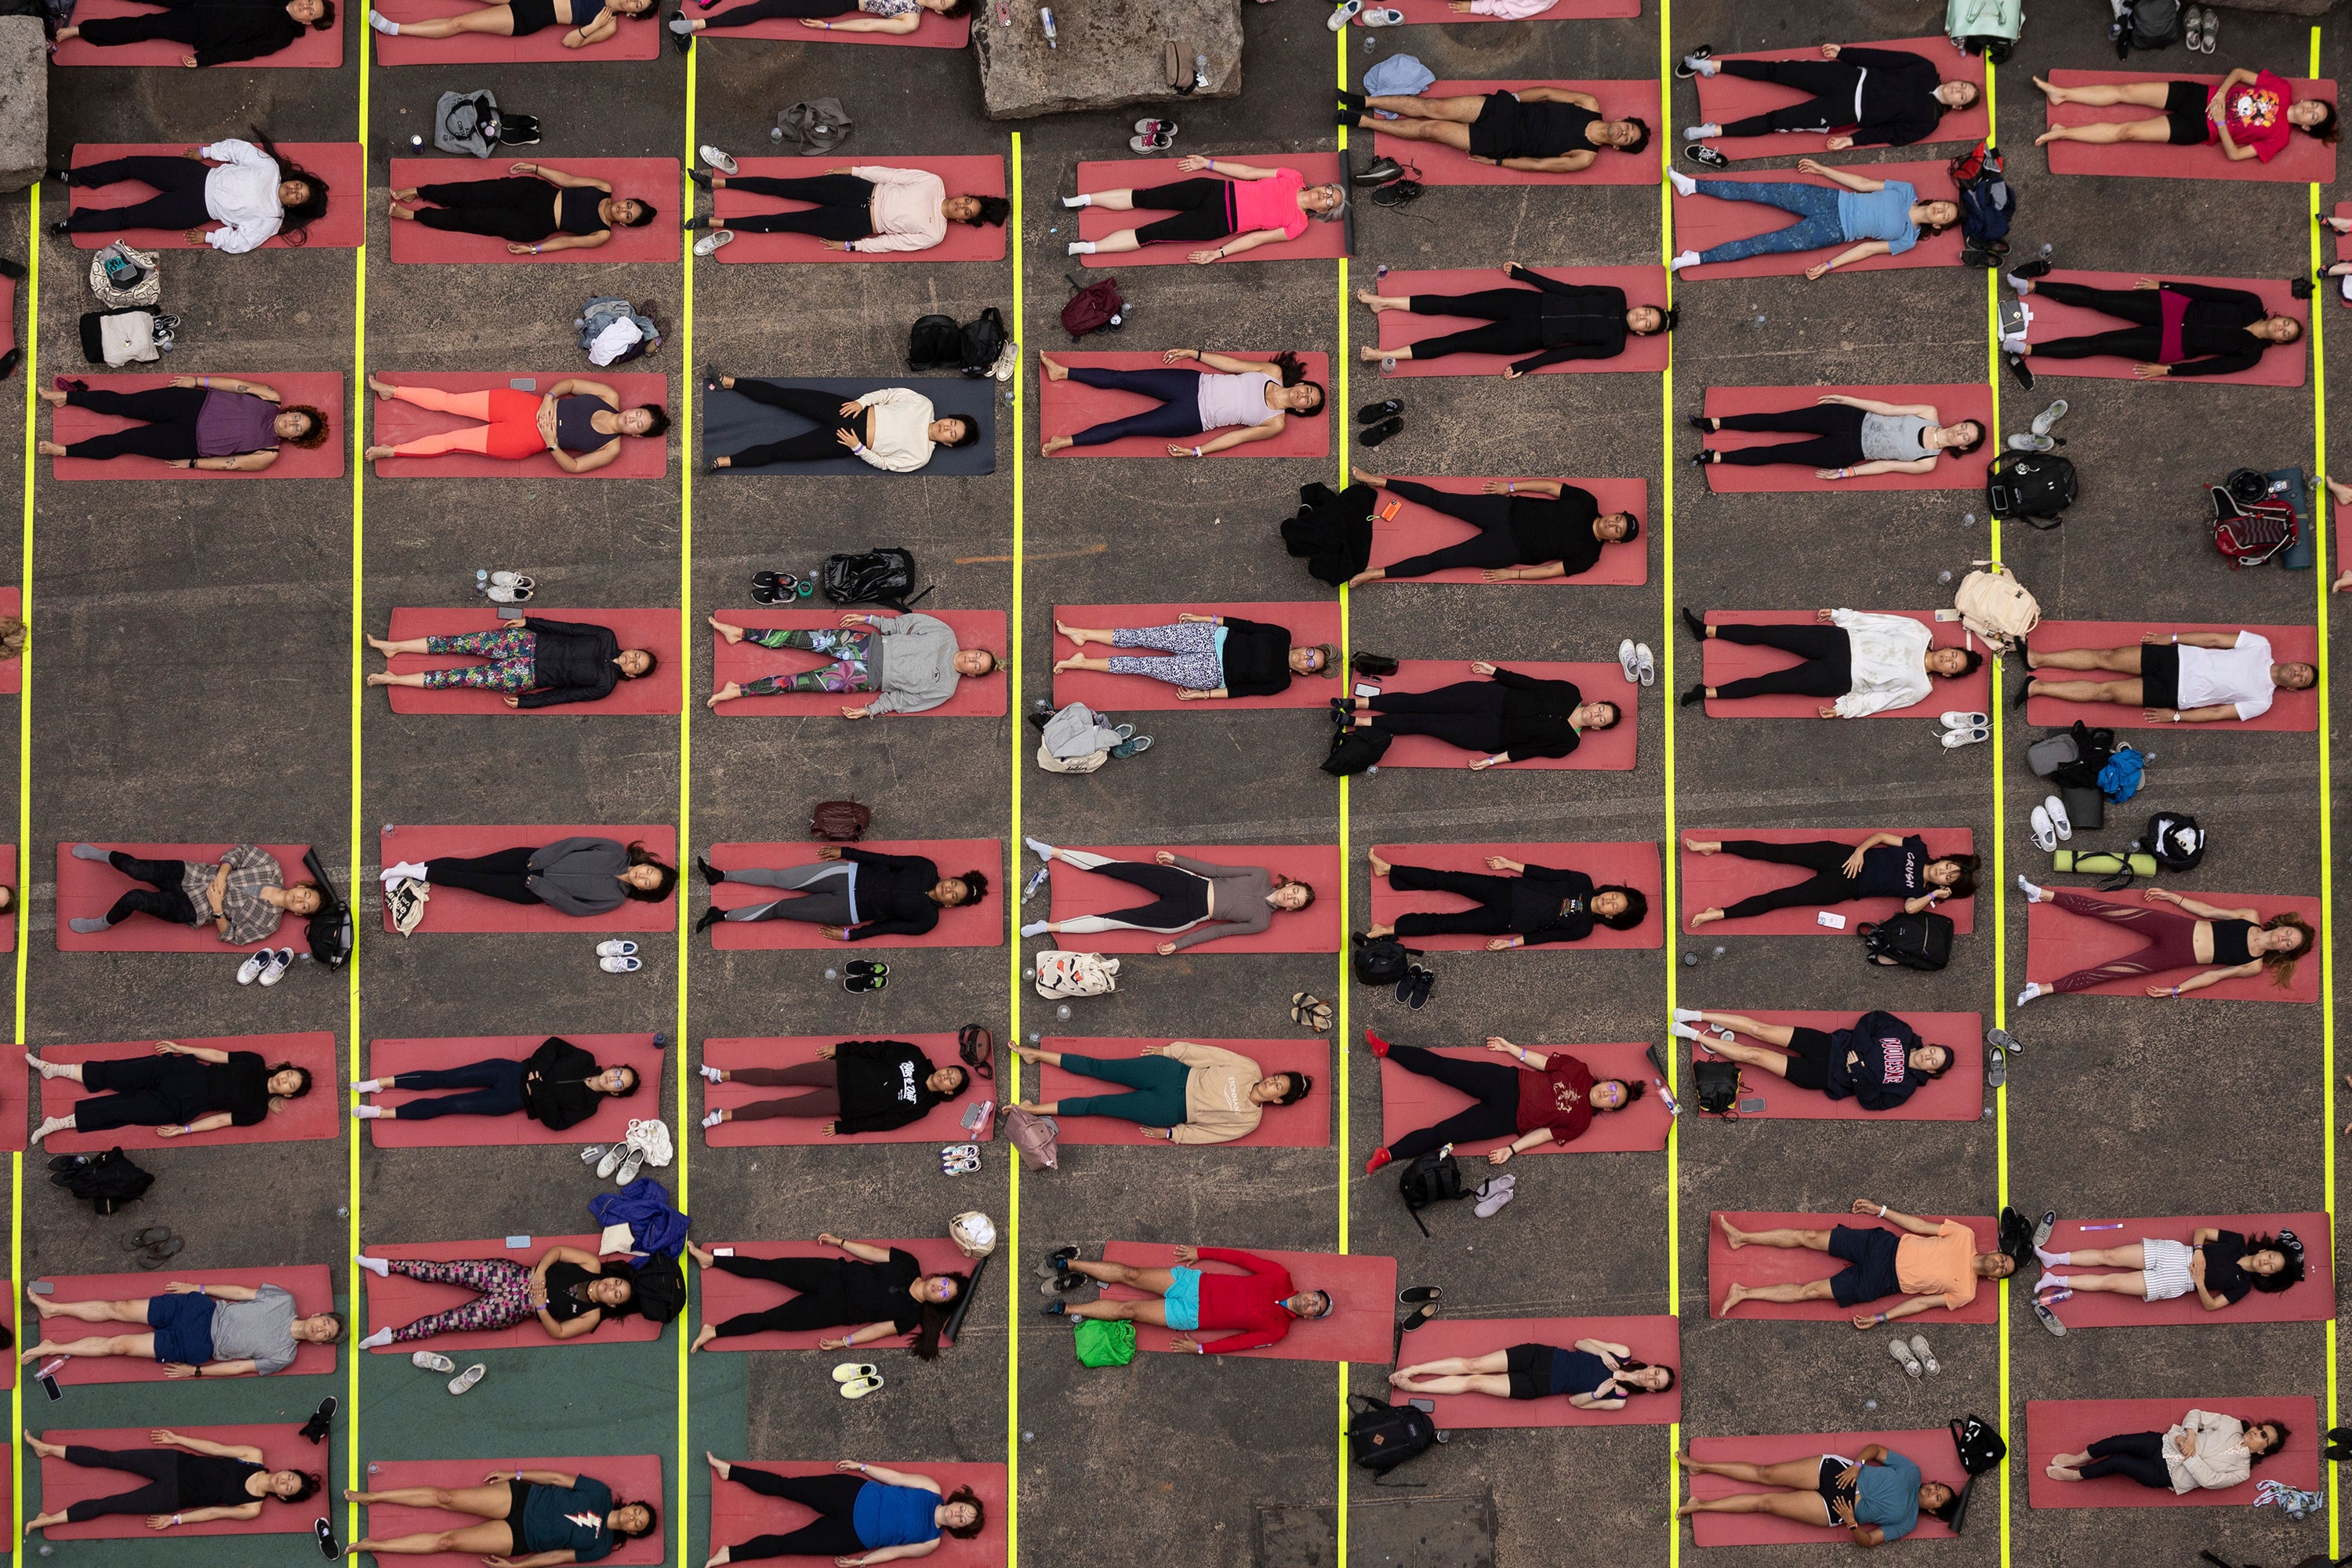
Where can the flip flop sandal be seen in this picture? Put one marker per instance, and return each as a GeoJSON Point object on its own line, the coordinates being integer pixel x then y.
{"type": "Point", "coordinates": [154, 1235]}
{"type": "Point", "coordinates": [862, 1388]}
{"type": "Point", "coordinates": [851, 1370]}
{"type": "Point", "coordinates": [432, 1361]}
{"type": "Point", "coordinates": [160, 1254]}
{"type": "Point", "coordinates": [468, 1378]}
{"type": "Point", "coordinates": [1305, 1005]}
{"type": "Point", "coordinates": [1902, 1352]}
{"type": "Point", "coordinates": [1415, 1295]}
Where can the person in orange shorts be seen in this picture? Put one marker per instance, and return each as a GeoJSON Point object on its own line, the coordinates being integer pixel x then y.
{"type": "Point", "coordinates": [579, 422]}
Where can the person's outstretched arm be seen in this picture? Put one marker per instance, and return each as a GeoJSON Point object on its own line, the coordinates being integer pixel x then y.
{"type": "Point", "coordinates": [1211, 360]}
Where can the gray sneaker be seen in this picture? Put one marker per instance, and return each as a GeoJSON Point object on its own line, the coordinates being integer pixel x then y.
{"type": "Point", "coordinates": [2049, 1318]}
{"type": "Point", "coordinates": [2034, 443]}
{"type": "Point", "coordinates": [2002, 1040]}
{"type": "Point", "coordinates": [1997, 1070]}
{"type": "Point", "coordinates": [2049, 417]}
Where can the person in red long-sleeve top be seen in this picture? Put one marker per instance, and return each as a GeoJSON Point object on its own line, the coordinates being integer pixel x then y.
{"type": "Point", "coordinates": [1259, 1305]}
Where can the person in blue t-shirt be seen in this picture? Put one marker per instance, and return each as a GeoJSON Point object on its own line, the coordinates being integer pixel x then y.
{"type": "Point", "coordinates": [1876, 1497]}
{"type": "Point", "coordinates": [532, 1519]}
{"type": "Point", "coordinates": [1882, 866]}
{"type": "Point", "coordinates": [865, 1514]}
{"type": "Point", "coordinates": [1872, 217]}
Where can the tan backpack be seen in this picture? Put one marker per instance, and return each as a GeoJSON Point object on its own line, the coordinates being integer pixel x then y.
{"type": "Point", "coordinates": [1995, 605]}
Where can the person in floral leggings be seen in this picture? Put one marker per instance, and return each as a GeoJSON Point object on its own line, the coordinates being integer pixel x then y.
{"type": "Point", "coordinates": [536, 662]}
{"type": "Point", "coordinates": [570, 1291]}
{"type": "Point", "coordinates": [912, 662]}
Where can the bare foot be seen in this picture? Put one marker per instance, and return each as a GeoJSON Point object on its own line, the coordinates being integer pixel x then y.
{"type": "Point", "coordinates": [1073, 633]}
{"type": "Point", "coordinates": [1377, 481]}
{"type": "Point", "coordinates": [380, 387]}
{"type": "Point", "coordinates": [727, 693]}
{"type": "Point", "coordinates": [51, 395]}
{"type": "Point", "coordinates": [1061, 665]}
{"type": "Point", "coordinates": [375, 454]}
{"type": "Point", "coordinates": [733, 634]}
{"type": "Point", "coordinates": [1056, 443]}
{"type": "Point", "coordinates": [380, 678]}
{"type": "Point", "coordinates": [708, 1334]}
{"type": "Point", "coordinates": [701, 1255]}
{"type": "Point", "coordinates": [2055, 133]}
{"type": "Point", "coordinates": [1375, 933]}
{"type": "Point", "coordinates": [1055, 371]}
{"type": "Point", "coordinates": [718, 1467]}
{"type": "Point", "coordinates": [1733, 1236]}
{"type": "Point", "coordinates": [48, 449]}
{"type": "Point", "coordinates": [409, 194]}
{"type": "Point", "coordinates": [2058, 1472]}
{"type": "Point", "coordinates": [46, 1450]}
{"type": "Point", "coordinates": [399, 213]}
{"type": "Point", "coordinates": [1706, 917]}
{"type": "Point", "coordinates": [1731, 1299]}
{"type": "Point", "coordinates": [1703, 845]}
{"type": "Point", "coordinates": [1380, 867]}
{"type": "Point", "coordinates": [2055, 94]}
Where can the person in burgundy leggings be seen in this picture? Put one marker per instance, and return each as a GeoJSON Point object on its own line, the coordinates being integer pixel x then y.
{"type": "Point", "coordinates": [2229, 942]}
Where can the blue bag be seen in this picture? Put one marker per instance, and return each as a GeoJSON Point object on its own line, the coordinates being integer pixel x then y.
{"type": "Point", "coordinates": [2120, 779]}
{"type": "Point", "coordinates": [1399, 75]}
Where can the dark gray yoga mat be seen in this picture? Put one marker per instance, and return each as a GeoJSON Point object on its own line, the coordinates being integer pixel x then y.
{"type": "Point", "coordinates": [730, 422]}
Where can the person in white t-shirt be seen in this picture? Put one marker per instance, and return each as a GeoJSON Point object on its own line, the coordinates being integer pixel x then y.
{"type": "Point", "coordinates": [2176, 677]}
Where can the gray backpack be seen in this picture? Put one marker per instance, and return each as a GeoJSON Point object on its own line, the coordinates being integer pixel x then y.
{"type": "Point", "coordinates": [469, 124]}
{"type": "Point", "coordinates": [817, 126]}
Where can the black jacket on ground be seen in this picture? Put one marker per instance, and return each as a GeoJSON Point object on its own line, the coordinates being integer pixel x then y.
{"type": "Point", "coordinates": [555, 1091]}
{"type": "Point", "coordinates": [1333, 530]}
{"type": "Point", "coordinates": [574, 663]}
{"type": "Point", "coordinates": [1257, 658]}
{"type": "Point", "coordinates": [881, 1084]}
{"type": "Point", "coordinates": [893, 894]}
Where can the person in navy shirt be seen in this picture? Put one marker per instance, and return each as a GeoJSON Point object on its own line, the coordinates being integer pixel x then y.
{"type": "Point", "coordinates": [1882, 866]}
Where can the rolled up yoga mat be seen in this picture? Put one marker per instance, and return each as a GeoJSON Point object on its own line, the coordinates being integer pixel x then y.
{"type": "Point", "coordinates": [1363, 1303]}
{"type": "Point", "coordinates": [1657, 1339]}
{"type": "Point", "coordinates": [1632, 865]}
{"type": "Point", "coordinates": [312, 1285]}
{"type": "Point", "coordinates": [732, 422]}
{"type": "Point", "coordinates": [318, 1114]}
{"type": "Point", "coordinates": [1718, 881]}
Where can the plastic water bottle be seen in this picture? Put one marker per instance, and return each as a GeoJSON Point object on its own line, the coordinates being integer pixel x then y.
{"type": "Point", "coordinates": [1046, 15]}
{"type": "Point", "coordinates": [1062, 1013]}
{"type": "Point", "coordinates": [776, 133]}
{"type": "Point", "coordinates": [832, 974]}
{"type": "Point", "coordinates": [1199, 71]}
{"type": "Point", "coordinates": [1717, 953]}
{"type": "Point", "coordinates": [1690, 961]}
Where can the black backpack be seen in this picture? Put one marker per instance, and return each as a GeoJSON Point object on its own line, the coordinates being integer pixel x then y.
{"type": "Point", "coordinates": [1353, 751]}
{"type": "Point", "coordinates": [2147, 25]}
{"type": "Point", "coordinates": [883, 575]}
{"type": "Point", "coordinates": [981, 342]}
{"type": "Point", "coordinates": [1382, 962]}
{"type": "Point", "coordinates": [330, 932]}
{"type": "Point", "coordinates": [1432, 1178]}
{"type": "Point", "coordinates": [1980, 1449]}
{"type": "Point", "coordinates": [2173, 841]}
{"type": "Point", "coordinates": [1381, 1436]}
{"type": "Point", "coordinates": [1716, 1086]}
{"type": "Point", "coordinates": [108, 1180]}
{"type": "Point", "coordinates": [1923, 940]}
{"type": "Point", "coordinates": [933, 343]}
{"type": "Point", "coordinates": [2030, 487]}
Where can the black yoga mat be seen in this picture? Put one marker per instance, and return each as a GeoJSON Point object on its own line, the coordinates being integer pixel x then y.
{"type": "Point", "coordinates": [732, 422]}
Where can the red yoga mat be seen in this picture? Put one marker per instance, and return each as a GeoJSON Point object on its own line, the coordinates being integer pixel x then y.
{"type": "Point", "coordinates": [394, 423]}
{"type": "Point", "coordinates": [2312, 1300]}
{"type": "Point", "coordinates": [1416, 530]}
{"type": "Point", "coordinates": [653, 180]}
{"type": "Point", "coordinates": [2055, 1426]}
{"type": "Point", "coordinates": [1955, 402]}
{"type": "Point", "coordinates": [1954, 1096]}
{"type": "Point", "coordinates": [1930, 1449]}
{"type": "Point", "coordinates": [1321, 241]}
{"type": "Point", "coordinates": [1718, 881]}
{"type": "Point", "coordinates": [11, 670]}
{"type": "Point", "coordinates": [2281, 364]}
{"type": "Point", "coordinates": [1724, 662]}
{"type": "Point", "coordinates": [315, 49]}
{"type": "Point", "coordinates": [8, 880]}
{"type": "Point", "coordinates": [1306, 1125]}
{"type": "Point", "coordinates": [967, 925]}
{"type": "Point", "coordinates": [2288, 709]}
{"type": "Point", "coordinates": [979, 175]}
{"type": "Point", "coordinates": [88, 888]}
{"type": "Point", "coordinates": [634, 1478]}
{"type": "Point", "coordinates": [456, 909]}
{"type": "Point", "coordinates": [1723, 98]}
{"type": "Point", "coordinates": [638, 38]}
{"type": "Point", "coordinates": [943, 1124]}
{"type": "Point", "coordinates": [738, 1513]}
{"type": "Point", "coordinates": [321, 390]}
{"type": "Point", "coordinates": [932, 31]}
{"type": "Point", "coordinates": [1443, 165]}
{"type": "Point", "coordinates": [1308, 623]}
{"type": "Point", "coordinates": [62, 1485]}
{"type": "Point", "coordinates": [1066, 407]}
{"type": "Point", "coordinates": [1314, 929]}
{"type": "Point", "coordinates": [2305, 159]}
{"type": "Point", "coordinates": [388, 1057]}
{"type": "Point", "coordinates": [1600, 749]}
{"type": "Point", "coordinates": [2343, 245]}
{"type": "Point", "coordinates": [1643, 286]}
{"type": "Point", "coordinates": [986, 697]}
{"type": "Point", "coordinates": [1363, 1303]}
{"type": "Point", "coordinates": [1410, 1101]}
{"type": "Point", "coordinates": [1655, 1339]}
{"type": "Point", "coordinates": [1754, 1265]}
{"type": "Point", "coordinates": [312, 1285]}
{"type": "Point", "coordinates": [2058, 943]}
{"type": "Point", "coordinates": [1702, 223]}
{"type": "Point", "coordinates": [727, 1295]}
{"type": "Point", "coordinates": [1632, 866]}
{"type": "Point", "coordinates": [654, 631]}
{"type": "Point", "coordinates": [339, 163]}
{"type": "Point", "coordinates": [395, 1301]}
{"type": "Point", "coordinates": [1438, 11]}
{"type": "Point", "coordinates": [318, 1114]}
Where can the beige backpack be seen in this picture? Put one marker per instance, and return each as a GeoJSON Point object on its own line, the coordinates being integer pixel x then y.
{"type": "Point", "coordinates": [1995, 605]}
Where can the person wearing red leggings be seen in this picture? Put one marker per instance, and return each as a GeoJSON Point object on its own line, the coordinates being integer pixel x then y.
{"type": "Point", "coordinates": [2229, 942]}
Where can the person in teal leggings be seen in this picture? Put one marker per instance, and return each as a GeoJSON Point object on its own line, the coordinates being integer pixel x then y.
{"type": "Point", "coordinates": [1183, 1092]}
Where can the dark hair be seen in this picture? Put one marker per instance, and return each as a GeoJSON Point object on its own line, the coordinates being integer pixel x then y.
{"type": "Point", "coordinates": [2282, 964]}
{"type": "Point", "coordinates": [1965, 885]}
{"type": "Point", "coordinates": [1283, 882]}
{"type": "Point", "coordinates": [960, 8]}
{"type": "Point", "coordinates": [1637, 907]}
{"type": "Point", "coordinates": [978, 1514]}
{"type": "Point", "coordinates": [641, 855]}
{"type": "Point", "coordinates": [1639, 143]}
{"type": "Point", "coordinates": [1634, 1088]}
{"type": "Point", "coordinates": [1951, 1508]}
{"type": "Point", "coordinates": [1667, 316]}
{"type": "Point", "coordinates": [619, 1269]}
{"type": "Point", "coordinates": [1930, 231]}
{"type": "Point", "coordinates": [335, 1318]}
{"type": "Point", "coordinates": [1614, 714]}
{"type": "Point", "coordinates": [2329, 129]}
{"type": "Point", "coordinates": [637, 1080]}
{"type": "Point", "coordinates": [653, 662]}
{"type": "Point", "coordinates": [1947, 1059]}
{"type": "Point", "coordinates": [1964, 451]}
{"type": "Point", "coordinates": [935, 1317]}
{"type": "Point", "coordinates": [2271, 1284]}
{"type": "Point", "coordinates": [646, 211]}
{"type": "Point", "coordinates": [1301, 1087]}
{"type": "Point", "coordinates": [1630, 1364]}
{"type": "Point", "coordinates": [303, 1073]}
{"type": "Point", "coordinates": [1970, 662]}
{"type": "Point", "coordinates": [1330, 665]}
{"type": "Point", "coordinates": [653, 1519]}
{"type": "Point", "coordinates": [2280, 1427]}
{"type": "Point", "coordinates": [2290, 321]}
{"type": "Point", "coordinates": [317, 891]}
{"type": "Point", "coordinates": [661, 418]}
{"type": "Point", "coordinates": [970, 431]}
{"type": "Point", "coordinates": [1975, 95]}
{"type": "Point", "coordinates": [7, 895]}
{"type": "Point", "coordinates": [295, 225]}
{"type": "Point", "coordinates": [1293, 369]}
{"type": "Point", "coordinates": [1633, 526]}
{"type": "Point", "coordinates": [326, 21]}
{"type": "Point", "coordinates": [963, 1080]}
{"type": "Point", "coordinates": [975, 885]}
{"type": "Point", "coordinates": [308, 1489]}
{"type": "Point", "coordinates": [312, 439]}
{"type": "Point", "coordinates": [993, 211]}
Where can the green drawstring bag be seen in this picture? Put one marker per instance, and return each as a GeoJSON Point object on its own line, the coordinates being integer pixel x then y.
{"type": "Point", "coordinates": [2118, 866]}
{"type": "Point", "coordinates": [1105, 1343]}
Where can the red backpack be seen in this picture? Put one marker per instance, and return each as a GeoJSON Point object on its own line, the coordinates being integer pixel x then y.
{"type": "Point", "coordinates": [1094, 306]}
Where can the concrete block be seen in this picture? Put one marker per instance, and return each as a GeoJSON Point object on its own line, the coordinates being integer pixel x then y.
{"type": "Point", "coordinates": [23, 102]}
{"type": "Point", "coordinates": [1106, 54]}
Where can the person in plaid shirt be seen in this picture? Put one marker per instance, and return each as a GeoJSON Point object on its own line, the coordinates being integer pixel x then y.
{"type": "Point", "coordinates": [242, 896]}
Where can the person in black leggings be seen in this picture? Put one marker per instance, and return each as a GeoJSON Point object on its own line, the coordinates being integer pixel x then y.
{"type": "Point", "coordinates": [905, 1513]}
{"type": "Point", "coordinates": [882, 1292]}
{"type": "Point", "coordinates": [2217, 332]}
{"type": "Point", "coordinates": [1509, 717]}
{"type": "Point", "coordinates": [1551, 322]}
{"type": "Point", "coordinates": [188, 1481]}
{"type": "Point", "coordinates": [1882, 866]}
{"type": "Point", "coordinates": [900, 17]}
{"type": "Point", "coordinates": [2226, 1449]}
{"type": "Point", "coordinates": [1828, 670]}
{"type": "Point", "coordinates": [1250, 400]}
{"type": "Point", "coordinates": [1527, 529]}
{"type": "Point", "coordinates": [537, 209]}
{"type": "Point", "coordinates": [1852, 437]}
{"type": "Point", "coordinates": [220, 32]}
{"type": "Point", "coordinates": [1887, 98]}
{"type": "Point", "coordinates": [1537, 904]}
{"type": "Point", "coordinates": [1494, 1089]}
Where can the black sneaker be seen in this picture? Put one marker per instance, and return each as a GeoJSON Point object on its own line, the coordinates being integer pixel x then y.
{"type": "Point", "coordinates": [328, 1546]}
{"type": "Point", "coordinates": [710, 917]}
{"type": "Point", "coordinates": [1382, 431]}
{"type": "Point", "coordinates": [1702, 459]}
{"type": "Point", "coordinates": [1700, 152]}
{"type": "Point", "coordinates": [1682, 67]}
{"type": "Point", "coordinates": [709, 873]}
{"type": "Point", "coordinates": [1693, 697]}
{"type": "Point", "coordinates": [1423, 981]}
{"type": "Point", "coordinates": [700, 177]}
{"type": "Point", "coordinates": [1053, 1261]}
{"type": "Point", "coordinates": [1373, 413]}
{"type": "Point", "coordinates": [2020, 369]}
{"type": "Point", "coordinates": [697, 222]}
{"type": "Point", "coordinates": [863, 983]}
{"type": "Point", "coordinates": [1702, 424]}
{"type": "Point", "coordinates": [2037, 268]}
{"type": "Point", "coordinates": [322, 1422]}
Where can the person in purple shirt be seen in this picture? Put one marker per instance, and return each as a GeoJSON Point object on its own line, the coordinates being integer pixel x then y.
{"type": "Point", "coordinates": [211, 422]}
{"type": "Point", "coordinates": [1882, 866]}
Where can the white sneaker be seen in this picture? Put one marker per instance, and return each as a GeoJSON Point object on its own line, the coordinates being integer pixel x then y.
{"type": "Point", "coordinates": [2045, 832]}
{"type": "Point", "coordinates": [620, 966]}
{"type": "Point", "coordinates": [468, 1378]}
{"type": "Point", "coordinates": [1344, 14]}
{"type": "Point", "coordinates": [250, 970]}
{"type": "Point", "coordinates": [1704, 132]}
{"type": "Point", "coordinates": [2049, 417]}
{"type": "Point", "coordinates": [432, 1361]}
{"type": "Point", "coordinates": [612, 1160]}
{"type": "Point", "coordinates": [1626, 662]}
{"type": "Point", "coordinates": [629, 1169]}
{"type": "Point", "coordinates": [1953, 719]}
{"type": "Point", "coordinates": [1647, 662]}
{"type": "Point", "coordinates": [1955, 739]}
{"type": "Point", "coordinates": [279, 962]}
{"type": "Point", "coordinates": [718, 160]}
{"type": "Point", "coordinates": [615, 949]}
{"type": "Point", "coordinates": [1492, 1205]}
{"type": "Point", "coordinates": [705, 243]}
{"type": "Point", "coordinates": [1382, 17]}
{"type": "Point", "coordinates": [2058, 818]}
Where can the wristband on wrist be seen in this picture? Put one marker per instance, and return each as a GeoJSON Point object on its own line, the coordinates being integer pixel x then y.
{"type": "Point", "coordinates": [1882, 1211]}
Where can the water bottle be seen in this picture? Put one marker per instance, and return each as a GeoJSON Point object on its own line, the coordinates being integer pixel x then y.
{"type": "Point", "coordinates": [1062, 1013]}
{"type": "Point", "coordinates": [1199, 72]}
{"type": "Point", "coordinates": [776, 133]}
{"type": "Point", "coordinates": [1046, 15]}
{"type": "Point", "coordinates": [1690, 961]}
{"type": "Point", "coordinates": [1717, 953]}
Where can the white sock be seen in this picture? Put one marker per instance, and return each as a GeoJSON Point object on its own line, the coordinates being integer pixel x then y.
{"type": "Point", "coordinates": [2013, 345]}
{"type": "Point", "coordinates": [1036, 928]}
{"type": "Point", "coordinates": [1687, 258]}
{"type": "Point", "coordinates": [1077, 201]}
{"type": "Point", "coordinates": [1082, 247]}
{"type": "Point", "coordinates": [2052, 1259]}
{"type": "Point", "coordinates": [709, 1072]}
{"type": "Point", "coordinates": [1040, 848]}
{"type": "Point", "coordinates": [384, 24]}
{"type": "Point", "coordinates": [1681, 1030]}
{"type": "Point", "coordinates": [2034, 895]}
{"type": "Point", "coordinates": [1687, 1015]}
{"type": "Point", "coordinates": [381, 1269]}
{"type": "Point", "coordinates": [1701, 132]}
{"type": "Point", "coordinates": [711, 1120]}
{"type": "Point", "coordinates": [2050, 1281]}
{"type": "Point", "coordinates": [1704, 67]}
{"type": "Point", "coordinates": [1684, 185]}
{"type": "Point", "coordinates": [2029, 993]}
{"type": "Point", "coordinates": [367, 1113]}
{"type": "Point", "coordinates": [368, 1086]}
{"type": "Point", "coordinates": [382, 1337]}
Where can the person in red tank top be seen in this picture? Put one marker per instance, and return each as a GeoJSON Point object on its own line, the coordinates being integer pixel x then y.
{"type": "Point", "coordinates": [1258, 1305]}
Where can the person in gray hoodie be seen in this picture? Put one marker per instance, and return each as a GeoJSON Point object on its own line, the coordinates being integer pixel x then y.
{"type": "Point", "coordinates": [911, 660]}
{"type": "Point", "coordinates": [578, 877]}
